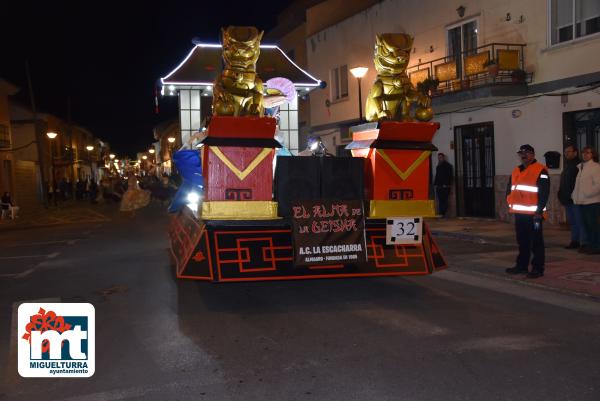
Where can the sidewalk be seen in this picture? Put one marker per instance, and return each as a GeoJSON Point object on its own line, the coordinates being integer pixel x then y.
{"type": "Point", "coordinates": [491, 248]}
{"type": "Point", "coordinates": [67, 212]}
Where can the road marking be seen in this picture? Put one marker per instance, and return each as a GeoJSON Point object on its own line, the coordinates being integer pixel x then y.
{"type": "Point", "coordinates": [25, 273]}
{"type": "Point", "coordinates": [28, 256]}
{"type": "Point", "coordinates": [68, 241]}
{"type": "Point", "coordinates": [53, 255]}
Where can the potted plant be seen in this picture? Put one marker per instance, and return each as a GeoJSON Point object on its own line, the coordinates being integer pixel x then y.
{"type": "Point", "coordinates": [518, 76]}
{"type": "Point", "coordinates": [428, 86]}
{"type": "Point", "coordinates": [492, 67]}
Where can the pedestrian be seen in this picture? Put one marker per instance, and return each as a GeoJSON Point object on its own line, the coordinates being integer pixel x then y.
{"type": "Point", "coordinates": [443, 183]}
{"type": "Point", "coordinates": [79, 189]}
{"type": "Point", "coordinates": [8, 207]}
{"type": "Point", "coordinates": [93, 190]}
{"type": "Point", "coordinates": [567, 184]}
{"type": "Point", "coordinates": [587, 195]}
{"type": "Point", "coordinates": [527, 193]}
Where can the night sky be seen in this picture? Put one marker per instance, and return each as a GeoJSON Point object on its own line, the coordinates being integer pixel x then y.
{"type": "Point", "coordinates": [107, 56]}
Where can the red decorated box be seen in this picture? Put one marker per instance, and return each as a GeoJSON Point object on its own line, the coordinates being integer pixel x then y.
{"type": "Point", "coordinates": [237, 159]}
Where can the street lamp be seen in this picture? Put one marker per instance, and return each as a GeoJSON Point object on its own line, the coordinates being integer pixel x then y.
{"type": "Point", "coordinates": [112, 156]}
{"type": "Point", "coordinates": [151, 151]}
{"type": "Point", "coordinates": [51, 136]}
{"type": "Point", "coordinates": [144, 157]}
{"type": "Point", "coordinates": [359, 73]}
{"type": "Point", "coordinates": [171, 139]}
{"type": "Point", "coordinates": [89, 149]}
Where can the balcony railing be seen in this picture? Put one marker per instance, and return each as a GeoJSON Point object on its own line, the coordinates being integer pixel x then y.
{"type": "Point", "coordinates": [471, 70]}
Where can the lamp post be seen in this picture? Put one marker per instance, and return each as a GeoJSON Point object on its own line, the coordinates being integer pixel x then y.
{"type": "Point", "coordinates": [52, 136]}
{"type": "Point", "coordinates": [171, 141]}
{"type": "Point", "coordinates": [359, 73]}
{"type": "Point", "coordinates": [111, 158]}
{"type": "Point", "coordinates": [89, 149]}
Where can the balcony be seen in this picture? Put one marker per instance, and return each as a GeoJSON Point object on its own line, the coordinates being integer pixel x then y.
{"type": "Point", "coordinates": [472, 78]}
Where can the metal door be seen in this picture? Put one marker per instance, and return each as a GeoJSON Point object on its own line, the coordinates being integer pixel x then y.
{"type": "Point", "coordinates": [475, 170]}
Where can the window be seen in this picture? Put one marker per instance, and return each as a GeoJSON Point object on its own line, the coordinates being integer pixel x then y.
{"type": "Point", "coordinates": [339, 82]}
{"type": "Point", "coordinates": [189, 112]}
{"type": "Point", "coordinates": [288, 125]}
{"type": "Point", "coordinates": [572, 19]}
{"type": "Point", "coordinates": [4, 138]}
{"type": "Point", "coordinates": [462, 41]}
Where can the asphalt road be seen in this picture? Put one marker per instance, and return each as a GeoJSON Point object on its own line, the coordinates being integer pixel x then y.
{"type": "Point", "coordinates": [451, 336]}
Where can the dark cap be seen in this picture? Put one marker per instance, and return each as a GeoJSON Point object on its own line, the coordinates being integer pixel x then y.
{"type": "Point", "coordinates": [526, 149]}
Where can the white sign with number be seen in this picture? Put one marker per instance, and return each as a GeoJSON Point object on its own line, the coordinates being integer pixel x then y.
{"type": "Point", "coordinates": [403, 230]}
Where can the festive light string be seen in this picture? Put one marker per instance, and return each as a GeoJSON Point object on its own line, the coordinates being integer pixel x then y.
{"type": "Point", "coordinates": [165, 81]}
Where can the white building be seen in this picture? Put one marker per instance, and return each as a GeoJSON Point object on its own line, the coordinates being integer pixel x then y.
{"type": "Point", "coordinates": [483, 120]}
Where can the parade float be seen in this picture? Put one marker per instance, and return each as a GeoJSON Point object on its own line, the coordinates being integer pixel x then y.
{"type": "Point", "coordinates": [256, 216]}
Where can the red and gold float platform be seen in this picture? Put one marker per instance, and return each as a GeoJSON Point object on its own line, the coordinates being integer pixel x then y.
{"type": "Point", "coordinates": [241, 233]}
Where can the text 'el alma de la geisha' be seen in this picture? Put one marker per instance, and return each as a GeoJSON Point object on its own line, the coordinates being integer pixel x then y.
{"type": "Point", "coordinates": [337, 218]}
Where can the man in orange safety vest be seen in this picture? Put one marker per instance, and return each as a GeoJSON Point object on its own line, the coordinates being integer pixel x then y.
{"type": "Point", "coordinates": [527, 194]}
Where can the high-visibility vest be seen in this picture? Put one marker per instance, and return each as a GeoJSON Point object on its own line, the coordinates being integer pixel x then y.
{"type": "Point", "coordinates": [523, 196]}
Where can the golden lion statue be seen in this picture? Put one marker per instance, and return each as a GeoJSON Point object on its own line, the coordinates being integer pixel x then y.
{"type": "Point", "coordinates": [392, 93]}
{"type": "Point", "coordinates": [238, 91]}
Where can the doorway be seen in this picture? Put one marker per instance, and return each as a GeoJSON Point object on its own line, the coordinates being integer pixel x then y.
{"type": "Point", "coordinates": [586, 129]}
{"type": "Point", "coordinates": [475, 172]}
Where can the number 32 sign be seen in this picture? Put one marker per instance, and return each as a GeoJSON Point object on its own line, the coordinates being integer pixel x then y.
{"type": "Point", "coordinates": [403, 230]}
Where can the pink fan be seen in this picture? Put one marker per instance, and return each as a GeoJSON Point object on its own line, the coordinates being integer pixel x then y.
{"type": "Point", "coordinates": [286, 90]}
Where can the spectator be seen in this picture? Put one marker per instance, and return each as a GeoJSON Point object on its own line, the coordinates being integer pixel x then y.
{"type": "Point", "coordinates": [587, 194]}
{"type": "Point", "coordinates": [443, 183]}
{"type": "Point", "coordinates": [8, 207]}
{"type": "Point", "coordinates": [93, 189]}
{"type": "Point", "coordinates": [79, 189]}
{"type": "Point", "coordinates": [567, 184]}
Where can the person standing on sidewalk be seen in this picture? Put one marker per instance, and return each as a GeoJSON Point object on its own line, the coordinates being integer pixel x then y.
{"type": "Point", "coordinates": [442, 183]}
{"type": "Point", "coordinates": [567, 184]}
{"type": "Point", "coordinates": [527, 194]}
{"type": "Point", "coordinates": [587, 195]}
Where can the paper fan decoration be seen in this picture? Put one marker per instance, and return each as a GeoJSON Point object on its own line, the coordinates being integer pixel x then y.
{"type": "Point", "coordinates": [283, 85]}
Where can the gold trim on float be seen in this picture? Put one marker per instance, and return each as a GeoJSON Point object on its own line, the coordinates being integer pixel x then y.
{"type": "Point", "coordinates": [239, 173]}
{"type": "Point", "coordinates": [401, 208]}
{"type": "Point", "coordinates": [239, 210]}
{"type": "Point", "coordinates": [404, 174]}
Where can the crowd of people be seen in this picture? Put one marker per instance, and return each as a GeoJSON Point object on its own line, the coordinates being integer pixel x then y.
{"type": "Point", "coordinates": [527, 195]}
{"type": "Point", "coordinates": [579, 193]}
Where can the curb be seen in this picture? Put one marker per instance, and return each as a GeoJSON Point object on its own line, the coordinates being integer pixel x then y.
{"type": "Point", "coordinates": [531, 283]}
{"type": "Point", "coordinates": [486, 240]}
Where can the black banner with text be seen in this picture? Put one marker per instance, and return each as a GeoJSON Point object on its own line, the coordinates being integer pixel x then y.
{"type": "Point", "coordinates": [328, 232]}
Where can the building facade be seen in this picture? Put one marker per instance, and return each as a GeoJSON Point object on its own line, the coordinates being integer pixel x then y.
{"type": "Point", "coordinates": [7, 161]}
{"type": "Point", "coordinates": [546, 93]}
{"type": "Point", "coordinates": [73, 154]}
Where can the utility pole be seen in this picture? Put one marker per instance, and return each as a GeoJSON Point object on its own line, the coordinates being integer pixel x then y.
{"type": "Point", "coordinates": [38, 139]}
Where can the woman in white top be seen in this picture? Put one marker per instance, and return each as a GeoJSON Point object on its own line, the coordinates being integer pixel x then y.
{"type": "Point", "coordinates": [587, 195]}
